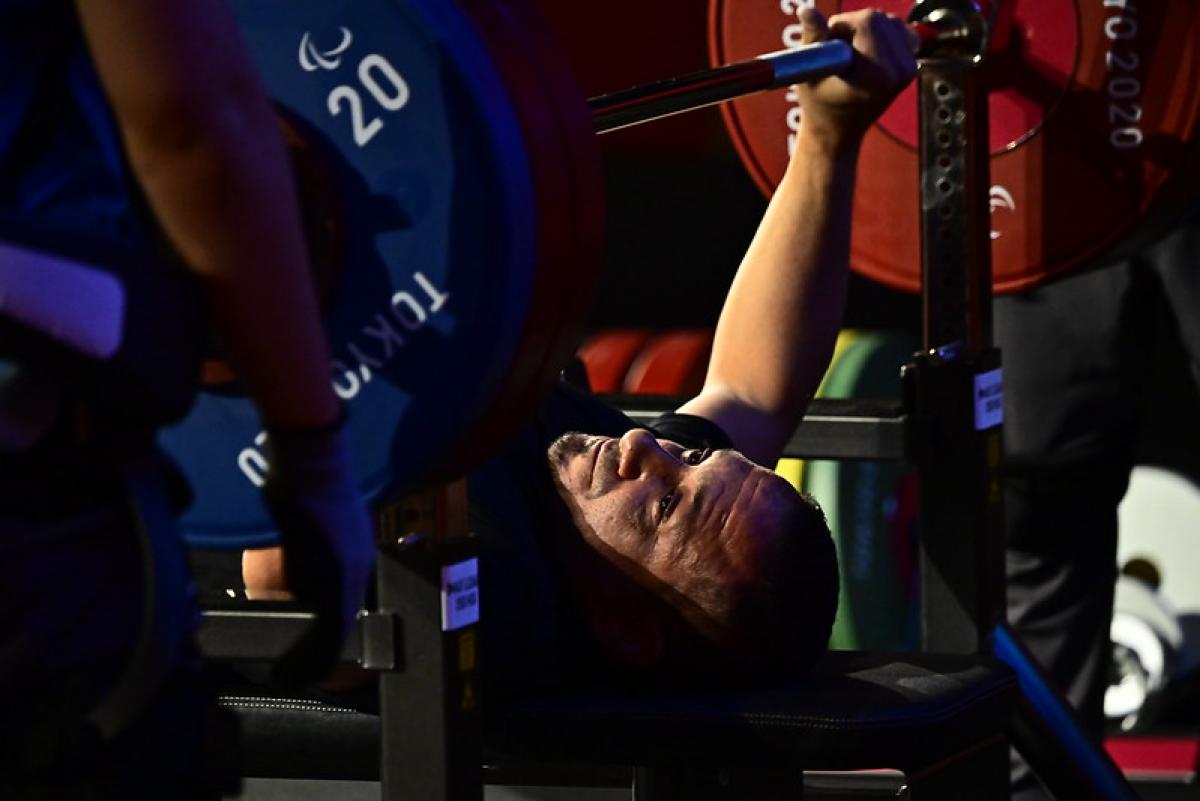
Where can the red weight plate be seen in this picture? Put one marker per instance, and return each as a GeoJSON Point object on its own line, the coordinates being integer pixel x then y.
{"type": "Point", "coordinates": [673, 363]}
{"type": "Point", "coordinates": [564, 161]}
{"type": "Point", "coordinates": [504, 411]}
{"type": "Point", "coordinates": [577, 269]}
{"type": "Point", "coordinates": [608, 354]}
{"type": "Point", "coordinates": [1094, 114]}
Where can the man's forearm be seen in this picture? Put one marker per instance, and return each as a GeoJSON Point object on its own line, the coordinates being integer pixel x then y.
{"type": "Point", "coordinates": [785, 306]}
{"type": "Point", "coordinates": [782, 314]}
{"type": "Point", "coordinates": [780, 321]}
{"type": "Point", "coordinates": [204, 144]}
{"type": "Point", "coordinates": [228, 205]}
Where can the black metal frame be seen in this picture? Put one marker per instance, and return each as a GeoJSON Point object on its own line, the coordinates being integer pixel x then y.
{"type": "Point", "coordinates": [962, 519]}
{"type": "Point", "coordinates": [838, 428]}
{"type": "Point", "coordinates": [432, 730]}
{"type": "Point", "coordinates": [429, 693]}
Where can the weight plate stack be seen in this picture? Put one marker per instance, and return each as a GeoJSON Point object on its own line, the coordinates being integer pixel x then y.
{"type": "Point", "coordinates": [569, 199]}
{"type": "Point", "coordinates": [427, 316]}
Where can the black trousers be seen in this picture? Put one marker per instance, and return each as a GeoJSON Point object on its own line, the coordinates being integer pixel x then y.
{"type": "Point", "coordinates": [71, 600]}
{"type": "Point", "coordinates": [1075, 355]}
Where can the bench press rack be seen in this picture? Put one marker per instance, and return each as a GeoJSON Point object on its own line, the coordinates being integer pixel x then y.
{"type": "Point", "coordinates": [943, 717]}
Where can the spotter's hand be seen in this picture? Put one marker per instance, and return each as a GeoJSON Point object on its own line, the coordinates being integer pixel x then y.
{"type": "Point", "coordinates": [328, 544]}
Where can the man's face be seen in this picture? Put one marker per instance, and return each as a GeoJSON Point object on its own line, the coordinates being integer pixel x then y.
{"type": "Point", "coordinates": [690, 519]}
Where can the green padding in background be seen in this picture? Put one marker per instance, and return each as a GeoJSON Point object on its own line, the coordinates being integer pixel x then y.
{"type": "Point", "coordinates": [870, 507]}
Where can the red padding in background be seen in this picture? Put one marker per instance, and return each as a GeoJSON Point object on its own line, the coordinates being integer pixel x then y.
{"type": "Point", "coordinates": [673, 363]}
{"type": "Point", "coordinates": [1158, 756]}
{"type": "Point", "coordinates": [607, 355]}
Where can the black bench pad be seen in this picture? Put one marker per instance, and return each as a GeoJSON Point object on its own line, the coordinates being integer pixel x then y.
{"type": "Point", "coordinates": [289, 737]}
{"type": "Point", "coordinates": [856, 710]}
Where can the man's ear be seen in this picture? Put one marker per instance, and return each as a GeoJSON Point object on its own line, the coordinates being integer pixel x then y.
{"type": "Point", "coordinates": [629, 634]}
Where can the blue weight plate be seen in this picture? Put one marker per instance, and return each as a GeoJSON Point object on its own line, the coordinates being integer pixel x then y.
{"type": "Point", "coordinates": [432, 169]}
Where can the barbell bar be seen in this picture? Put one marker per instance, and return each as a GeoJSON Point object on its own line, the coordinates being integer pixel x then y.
{"type": "Point", "coordinates": [696, 90]}
{"type": "Point", "coordinates": [765, 72]}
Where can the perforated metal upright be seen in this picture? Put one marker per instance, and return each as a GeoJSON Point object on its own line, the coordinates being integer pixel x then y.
{"type": "Point", "coordinates": [953, 387]}
{"type": "Point", "coordinates": [955, 400]}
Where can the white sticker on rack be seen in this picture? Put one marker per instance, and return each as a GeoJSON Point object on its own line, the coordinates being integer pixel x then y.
{"type": "Point", "coordinates": [460, 595]}
{"type": "Point", "coordinates": [989, 400]}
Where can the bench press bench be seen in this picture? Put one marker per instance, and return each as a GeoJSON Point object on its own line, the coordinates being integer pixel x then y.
{"type": "Point", "coordinates": [942, 720]}
{"type": "Point", "coordinates": [937, 718]}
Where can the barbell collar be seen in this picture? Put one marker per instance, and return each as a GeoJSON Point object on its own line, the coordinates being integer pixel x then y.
{"type": "Point", "coordinates": [953, 28]}
{"type": "Point", "coordinates": [707, 87]}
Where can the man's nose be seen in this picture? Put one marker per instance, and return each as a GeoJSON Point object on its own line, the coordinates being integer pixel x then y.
{"type": "Point", "coordinates": [641, 453]}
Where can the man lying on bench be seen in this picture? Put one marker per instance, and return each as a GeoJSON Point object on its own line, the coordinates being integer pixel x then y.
{"type": "Point", "coordinates": [673, 547]}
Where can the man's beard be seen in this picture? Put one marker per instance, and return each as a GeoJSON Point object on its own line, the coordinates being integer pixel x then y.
{"type": "Point", "coordinates": [576, 444]}
{"type": "Point", "coordinates": [564, 447]}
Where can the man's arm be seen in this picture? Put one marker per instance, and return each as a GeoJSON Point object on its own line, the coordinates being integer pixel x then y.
{"type": "Point", "coordinates": [205, 146]}
{"type": "Point", "coordinates": [782, 314]}
{"type": "Point", "coordinates": [204, 143]}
